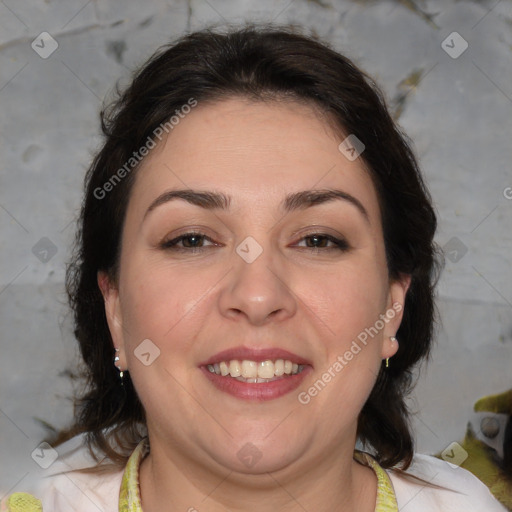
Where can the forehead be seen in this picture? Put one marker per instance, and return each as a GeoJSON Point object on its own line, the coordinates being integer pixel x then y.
{"type": "Point", "coordinates": [255, 152]}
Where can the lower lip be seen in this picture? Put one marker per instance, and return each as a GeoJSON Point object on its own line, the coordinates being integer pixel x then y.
{"type": "Point", "coordinates": [257, 391]}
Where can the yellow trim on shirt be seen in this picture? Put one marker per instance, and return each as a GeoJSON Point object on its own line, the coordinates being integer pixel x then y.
{"type": "Point", "coordinates": [129, 494]}
{"type": "Point", "coordinates": [23, 502]}
{"type": "Point", "coordinates": [386, 499]}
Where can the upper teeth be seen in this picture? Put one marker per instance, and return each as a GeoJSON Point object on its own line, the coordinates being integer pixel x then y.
{"type": "Point", "coordinates": [252, 369]}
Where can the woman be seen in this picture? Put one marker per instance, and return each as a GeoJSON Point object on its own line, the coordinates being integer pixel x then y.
{"type": "Point", "coordinates": [253, 284]}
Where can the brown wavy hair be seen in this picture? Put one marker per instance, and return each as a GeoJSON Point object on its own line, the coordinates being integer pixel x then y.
{"type": "Point", "coordinates": [261, 63]}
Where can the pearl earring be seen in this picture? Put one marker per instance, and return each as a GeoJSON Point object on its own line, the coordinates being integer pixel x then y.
{"type": "Point", "coordinates": [116, 364]}
{"type": "Point", "coordinates": [393, 340]}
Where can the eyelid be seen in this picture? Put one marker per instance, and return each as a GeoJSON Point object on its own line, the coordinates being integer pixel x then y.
{"type": "Point", "coordinates": [320, 231]}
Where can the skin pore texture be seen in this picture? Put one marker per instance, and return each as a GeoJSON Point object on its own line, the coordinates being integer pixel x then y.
{"type": "Point", "coordinates": [302, 294]}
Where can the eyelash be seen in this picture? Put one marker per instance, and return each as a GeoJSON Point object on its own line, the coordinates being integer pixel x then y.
{"type": "Point", "coordinates": [171, 245]}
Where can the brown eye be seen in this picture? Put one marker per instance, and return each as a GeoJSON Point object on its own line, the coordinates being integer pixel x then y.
{"type": "Point", "coordinates": [321, 241]}
{"type": "Point", "coordinates": [190, 242]}
{"type": "Point", "coordinates": [193, 240]}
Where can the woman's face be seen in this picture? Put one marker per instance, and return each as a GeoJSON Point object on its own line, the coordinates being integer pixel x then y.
{"type": "Point", "coordinates": [270, 276]}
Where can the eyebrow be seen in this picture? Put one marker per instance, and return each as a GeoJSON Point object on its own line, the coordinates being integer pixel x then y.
{"type": "Point", "coordinates": [292, 202]}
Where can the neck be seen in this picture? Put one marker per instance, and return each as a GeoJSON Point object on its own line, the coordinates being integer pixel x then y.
{"type": "Point", "coordinates": [332, 482]}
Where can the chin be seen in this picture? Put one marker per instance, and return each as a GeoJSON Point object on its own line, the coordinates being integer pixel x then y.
{"type": "Point", "coordinates": [259, 454]}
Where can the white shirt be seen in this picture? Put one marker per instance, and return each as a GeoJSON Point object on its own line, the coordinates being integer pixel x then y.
{"type": "Point", "coordinates": [81, 492]}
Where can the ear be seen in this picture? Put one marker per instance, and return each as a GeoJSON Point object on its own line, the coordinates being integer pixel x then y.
{"type": "Point", "coordinates": [394, 313]}
{"type": "Point", "coordinates": [110, 294]}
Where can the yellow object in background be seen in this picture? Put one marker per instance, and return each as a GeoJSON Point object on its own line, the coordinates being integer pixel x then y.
{"type": "Point", "coordinates": [488, 442]}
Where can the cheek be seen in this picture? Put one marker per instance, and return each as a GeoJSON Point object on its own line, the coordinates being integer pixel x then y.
{"type": "Point", "coordinates": [345, 300]}
{"type": "Point", "coordinates": [164, 306]}
{"type": "Point", "coordinates": [161, 304]}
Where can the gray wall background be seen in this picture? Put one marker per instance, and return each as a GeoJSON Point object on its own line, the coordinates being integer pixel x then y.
{"type": "Point", "coordinates": [456, 108]}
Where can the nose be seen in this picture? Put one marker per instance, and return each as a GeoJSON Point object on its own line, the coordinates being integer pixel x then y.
{"type": "Point", "coordinates": [258, 291]}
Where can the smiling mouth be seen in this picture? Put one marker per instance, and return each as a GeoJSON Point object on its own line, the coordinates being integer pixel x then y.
{"type": "Point", "coordinates": [254, 372]}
